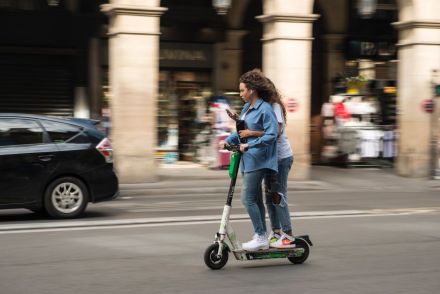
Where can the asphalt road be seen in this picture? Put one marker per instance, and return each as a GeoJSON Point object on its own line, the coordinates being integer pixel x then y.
{"type": "Point", "coordinates": [199, 203]}
{"type": "Point", "coordinates": [388, 252]}
{"type": "Point", "coordinates": [381, 238]}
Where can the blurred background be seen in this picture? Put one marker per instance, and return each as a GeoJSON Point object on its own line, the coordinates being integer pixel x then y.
{"type": "Point", "coordinates": [358, 77]}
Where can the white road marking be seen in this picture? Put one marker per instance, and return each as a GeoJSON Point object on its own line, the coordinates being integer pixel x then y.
{"type": "Point", "coordinates": [192, 220]}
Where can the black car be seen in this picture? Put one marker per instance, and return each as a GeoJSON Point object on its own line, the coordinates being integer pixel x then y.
{"type": "Point", "coordinates": [54, 165]}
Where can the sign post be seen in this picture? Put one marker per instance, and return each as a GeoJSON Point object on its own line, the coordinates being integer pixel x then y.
{"type": "Point", "coordinates": [431, 106]}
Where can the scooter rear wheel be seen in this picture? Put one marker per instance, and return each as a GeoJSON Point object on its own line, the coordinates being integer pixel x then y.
{"type": "Point", "coordinates": [212, 260]}
{"type": "Point", "coordinates": [300, 258]}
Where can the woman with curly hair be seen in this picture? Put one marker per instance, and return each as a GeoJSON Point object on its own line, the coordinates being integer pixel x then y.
{"type": "Point", "coordinates": [259, 153]}
{"type": "Point", "coordinates": [276, 183]}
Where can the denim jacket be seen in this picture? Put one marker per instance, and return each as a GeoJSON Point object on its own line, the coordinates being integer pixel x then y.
{"type": "Point", "coordinates": [262, 151]}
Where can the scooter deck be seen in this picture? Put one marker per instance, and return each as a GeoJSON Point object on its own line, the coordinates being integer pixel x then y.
{"type": "Point", "coordinates": [270, 250]}
{"type": "Point", "coordinates": [296, 251]}
{"type": "Point", "coordinates": [241, 254]}
{"type": "Point", "coordinates": [274, 250]}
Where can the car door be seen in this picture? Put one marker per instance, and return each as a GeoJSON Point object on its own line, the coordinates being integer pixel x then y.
{"type": "Point", "coordinates": [73, 146]}
{"type": "Point", "coordinates": [27, 159]}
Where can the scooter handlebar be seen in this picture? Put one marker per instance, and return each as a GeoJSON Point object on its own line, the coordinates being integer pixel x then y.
{"type": "Point", "coordinates": [233, 147]}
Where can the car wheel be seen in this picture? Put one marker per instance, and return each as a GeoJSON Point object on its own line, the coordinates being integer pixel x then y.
{"type": "Point", "coordinates": [66, 197]}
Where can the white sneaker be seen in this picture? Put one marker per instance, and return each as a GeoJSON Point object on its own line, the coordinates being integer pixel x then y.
{"type": "Point", "coordinates": [285, 241]}
{"type": "Point", "coordinates": [257, 243]}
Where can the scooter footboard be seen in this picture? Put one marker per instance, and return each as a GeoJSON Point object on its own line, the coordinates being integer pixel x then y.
{"type": "Point", "coordinates": [264, 254]}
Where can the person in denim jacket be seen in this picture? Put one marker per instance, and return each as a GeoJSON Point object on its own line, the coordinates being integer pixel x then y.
{"type": "Point", "coordinates": [259, 153]}
{"type": "Point", "coordinates": [276, 183]}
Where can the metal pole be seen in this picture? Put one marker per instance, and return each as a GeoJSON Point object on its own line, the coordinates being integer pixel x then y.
{"type": "Point", "coordinates": [435, 172]}
{"type": "Point", "coordinates": [433, 142]}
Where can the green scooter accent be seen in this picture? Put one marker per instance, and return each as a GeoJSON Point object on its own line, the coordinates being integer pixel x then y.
{"type": "Point", "coordinates": [233, 167]}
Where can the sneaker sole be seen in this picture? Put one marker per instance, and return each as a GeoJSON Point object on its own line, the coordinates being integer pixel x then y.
{"type": "Point", "coordinates": [256, 249]}
{"type": "Point", "coordinates": [285, 246]}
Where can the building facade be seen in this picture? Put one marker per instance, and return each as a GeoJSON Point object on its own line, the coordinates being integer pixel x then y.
{"type": "Point", "coordinates": [156, 63]}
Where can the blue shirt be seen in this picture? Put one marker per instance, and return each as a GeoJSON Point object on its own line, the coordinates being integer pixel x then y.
{"type": "Point", "coordinates": [262, 152]}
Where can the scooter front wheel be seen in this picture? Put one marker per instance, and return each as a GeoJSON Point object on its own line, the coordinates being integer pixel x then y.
{"type": "Point", "coordinates": [301, 252]}
{"type": "Point", "coordinates": [212, 260]}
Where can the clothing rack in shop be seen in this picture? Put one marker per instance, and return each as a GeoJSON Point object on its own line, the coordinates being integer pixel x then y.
{"type": "Point", "coordinates": [347, 140]}
{"type": "Point", "coordinates": [374, 161]}
{"type": "Point", "coordinates": [370, 127]}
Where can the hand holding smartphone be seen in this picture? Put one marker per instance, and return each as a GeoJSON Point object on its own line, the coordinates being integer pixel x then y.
{"type": "Point", "coordinates": [234, 116]}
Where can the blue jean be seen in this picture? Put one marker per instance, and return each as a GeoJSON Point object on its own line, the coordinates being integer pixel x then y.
{"type": "Point", "coordinates": [279, 214]}
{"type": "Point", "coordinates": [252, 199]}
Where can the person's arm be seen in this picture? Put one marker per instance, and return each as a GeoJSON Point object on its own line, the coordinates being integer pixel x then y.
{"type": "Point", "coordinates": [279, 116]}
{"type": "Point", "coordinates": [280, 129]}
{"type": "Point", "coordinates": [248, 133]}
{"type": "Point", "coordinates": [233, 139]}
{"type": "Point", "coordinates": [270, 126]}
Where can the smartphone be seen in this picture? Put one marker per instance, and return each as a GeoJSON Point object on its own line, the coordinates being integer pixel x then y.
{"type": "Point", "coordinates": [241, 125]}
{"type": "Point", "coordinates": [230, 114]}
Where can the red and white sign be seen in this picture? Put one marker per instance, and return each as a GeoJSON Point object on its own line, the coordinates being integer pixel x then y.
{"type": "Point", "coordinates": [428, 105]}
{"type": "Point", "coordinates": [292, 105]}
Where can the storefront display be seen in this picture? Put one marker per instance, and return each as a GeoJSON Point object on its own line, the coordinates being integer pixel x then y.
{"type": "Point", "coordinates": [353, 133]}
{"type": "Point", "coordinates": [185, 87]}
{"type": "Point", "coordinates": [182, 114]}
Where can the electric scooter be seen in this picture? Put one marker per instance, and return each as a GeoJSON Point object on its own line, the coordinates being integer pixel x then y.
{"type": "Point", "coordinates": [217, 254]}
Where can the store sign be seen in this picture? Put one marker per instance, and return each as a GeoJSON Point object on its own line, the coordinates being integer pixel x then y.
{"type": "Point", "coordinates": [292, 105]}
{"type": "Point", "coordinates": [372, 50]}
{"type": "Point", "coordinates": [428, 105]}
{"type": "Point", "coordinates": [185, 55]}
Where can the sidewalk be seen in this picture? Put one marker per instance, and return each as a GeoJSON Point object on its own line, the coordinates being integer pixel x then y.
{"type": "Point", "coordinates": [190, 178]}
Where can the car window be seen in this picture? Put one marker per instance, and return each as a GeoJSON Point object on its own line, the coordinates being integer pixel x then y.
{"type": "Point", "coordinates": [60, 132]}
{"type": "Point", "coordinates": [17, 131]}
{"type": "Point", "coordinates": [81, 138]}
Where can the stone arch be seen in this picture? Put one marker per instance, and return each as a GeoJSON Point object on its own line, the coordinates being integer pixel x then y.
{"type": "Point", "coordinates": [236, 13]}
{"type": "Point", "coordinates": [241, 48]}
{"type": "Point", "coordinates": [251, 42]}
{"type": "Point", "coordinates": [329, 31]}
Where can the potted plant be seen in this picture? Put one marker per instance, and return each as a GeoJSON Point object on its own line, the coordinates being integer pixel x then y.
{"type": "Point", "coordinates": [355, 84]}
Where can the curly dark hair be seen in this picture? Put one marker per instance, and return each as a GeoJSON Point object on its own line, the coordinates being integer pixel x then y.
{"type": "Point", "coordinates": [265, 88]}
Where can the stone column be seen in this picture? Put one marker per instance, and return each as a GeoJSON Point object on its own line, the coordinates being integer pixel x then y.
{"type": "Point", "coordinates": [230, 57]}
{"type": "Point", "coordinates": [134, 69]}
{"type": "Point", "coordinates": [335, 15]}
{"type": "Point", "coordinates": [95, 78]}
{"type": "Point", "coordinates": [334, 60]}
{"type": "Point", "coordinates": [419, 54]}
{"type": "Point", "coordinates": [287, 49]}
